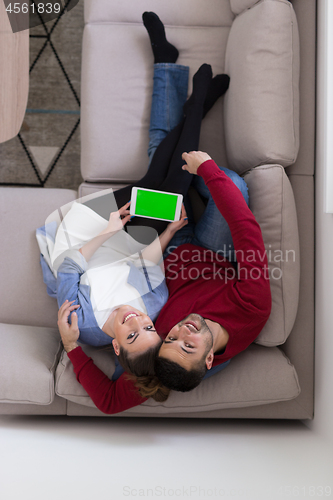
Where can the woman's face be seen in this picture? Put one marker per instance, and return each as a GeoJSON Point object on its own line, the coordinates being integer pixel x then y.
{"type": "Point", "coordinates": [133, 330]}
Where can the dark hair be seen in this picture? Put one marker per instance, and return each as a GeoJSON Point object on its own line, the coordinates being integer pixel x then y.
{"type": "Point", "coordinates": [142, 364]}
{"type": "Point", "coordinates": [177, 378]}
{"type": "Point", "coordinates": [140, 368]}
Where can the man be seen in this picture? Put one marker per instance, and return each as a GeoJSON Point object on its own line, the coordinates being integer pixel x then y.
{"type": "Point", "coordinates": [215, 309]}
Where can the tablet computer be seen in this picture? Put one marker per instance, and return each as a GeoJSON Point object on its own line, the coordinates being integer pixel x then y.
{"type": "Point", "coordinates": [153, 204]}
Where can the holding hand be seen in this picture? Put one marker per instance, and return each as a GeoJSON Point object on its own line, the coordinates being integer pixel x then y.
{"type": "Point", "coordinates": [193, 160]}
{"type": "Point", "coordinates": [116, 222]}
{"type": "Point", "coordinates": [173, 227]}
{"type": "Point", "coordinates": [69, 333]}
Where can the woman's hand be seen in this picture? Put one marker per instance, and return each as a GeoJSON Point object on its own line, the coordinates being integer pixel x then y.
{"type": "Point", "coordinates": [193, 160]}
{"type": "Point", "coordinates": [173, 227]}
{"type": "Point", "coordinates": [116, 222]}
{"type": "Point", "coordinates": [156, 249]}
{"type": "Point", "coordinates": [69, 333]}
{"type": "Point", "coordinates": [118, 219]}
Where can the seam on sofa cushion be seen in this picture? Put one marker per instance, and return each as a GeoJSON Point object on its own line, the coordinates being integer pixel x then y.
{"type": "Point", "coordinates": [294, 371]}
{"type": "Point", "coordinates": [173, 26]}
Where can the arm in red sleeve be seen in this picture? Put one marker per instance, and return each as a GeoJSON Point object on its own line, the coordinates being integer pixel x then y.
{"type": "Point", "coordinates": [109, 396]}
{"type": "Point", "coordinates": [252, 286]}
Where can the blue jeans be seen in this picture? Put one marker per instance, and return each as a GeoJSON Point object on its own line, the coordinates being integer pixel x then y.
{"type": "Point", "coordinates": [169, 96]}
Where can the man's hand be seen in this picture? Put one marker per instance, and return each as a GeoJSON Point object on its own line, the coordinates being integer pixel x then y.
{"type": "Point", "coordinates": [69, 333]}
{"type": "Point", "coordinates": [193, 160]}
{"type": "Point", "coordinates": [173, 227]}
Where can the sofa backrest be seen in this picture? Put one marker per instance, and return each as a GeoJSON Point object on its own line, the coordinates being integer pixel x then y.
{"type": "Point", "coordinates": [261, 107]}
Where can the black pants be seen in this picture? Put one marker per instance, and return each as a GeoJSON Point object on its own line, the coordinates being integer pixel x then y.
{"type": "Point", "coordinates": [164, 174]}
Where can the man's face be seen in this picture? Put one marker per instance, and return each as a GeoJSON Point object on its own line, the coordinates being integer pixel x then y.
{"type": "Point", "coordinates": [188, 342]}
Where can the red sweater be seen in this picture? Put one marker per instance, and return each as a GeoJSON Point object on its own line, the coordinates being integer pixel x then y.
{"type": "Point", "coordinates": [203, 282]}
{"type": "Point", "coordinates": [109, 396]}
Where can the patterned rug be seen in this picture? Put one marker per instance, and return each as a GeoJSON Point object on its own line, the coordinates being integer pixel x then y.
{"type": "Point", "coordinates": [46, 152]}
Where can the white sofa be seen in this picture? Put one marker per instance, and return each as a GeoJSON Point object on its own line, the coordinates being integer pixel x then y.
{"type": "Point", "coordinates": [263, 128]}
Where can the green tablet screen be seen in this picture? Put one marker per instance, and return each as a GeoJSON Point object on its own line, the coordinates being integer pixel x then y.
{"type": "Point", "coordinates": [156, 205]}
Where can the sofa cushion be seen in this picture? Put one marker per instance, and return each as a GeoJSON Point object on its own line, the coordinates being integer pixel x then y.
{"type": "Point", "coordinates": [257, 376]}
{"type": "Point", "coordinates": [117, 85]}
{"type": "Point", "coordinates": [261, 107]}
{"type": "Point", "coordinates": [23, 210]}
{"type": "Point", "coordinates": [272, 203]}
{"type": "Point", "coordinates": [28, 359]}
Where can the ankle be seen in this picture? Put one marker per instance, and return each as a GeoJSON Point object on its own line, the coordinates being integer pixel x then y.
{"type": "Point", "coordinates": [164, 51]}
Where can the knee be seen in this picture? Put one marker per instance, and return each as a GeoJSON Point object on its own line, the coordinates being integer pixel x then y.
{"type": "Point", "coordinates": [240, 183]}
